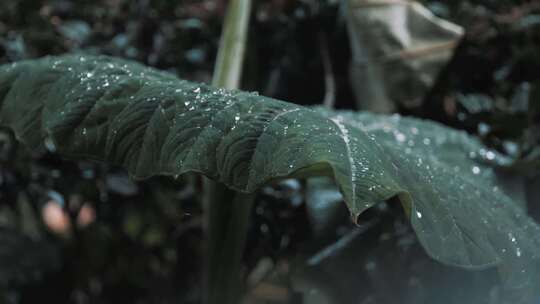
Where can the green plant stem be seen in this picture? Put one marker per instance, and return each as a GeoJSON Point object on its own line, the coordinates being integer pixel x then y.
{"type": "Point", "coordinates": [227, 211]}
{"type": "Point", "coordinates": [230, 57]}
{"type": "Point", "coordinates": [229, 218]}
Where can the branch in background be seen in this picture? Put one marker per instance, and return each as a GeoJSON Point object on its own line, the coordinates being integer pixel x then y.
{"type": "Point", "coordinates": [329, 79]}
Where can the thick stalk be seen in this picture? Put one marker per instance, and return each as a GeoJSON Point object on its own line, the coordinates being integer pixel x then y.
{"type": "Point", "coordinates": [228, 218]}
{"type": "Point", "coordinates": [230, 58]}
{"type": "Point", "coordinates": [227, 211]}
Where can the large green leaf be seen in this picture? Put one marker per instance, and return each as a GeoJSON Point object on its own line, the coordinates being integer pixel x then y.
{"type": "Point", "coordinates": [152, 123]}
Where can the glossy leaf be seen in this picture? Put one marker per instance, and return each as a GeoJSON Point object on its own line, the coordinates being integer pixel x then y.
{"type": "Point", "coordinates": [152, 123]}
{"type": "Point", "coordinates": [459, 207]}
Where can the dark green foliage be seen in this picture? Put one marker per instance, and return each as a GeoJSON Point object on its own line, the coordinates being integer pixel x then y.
{"type": "Point", "coordinates": [24, 260]}
{"type": "Point", "coordinates": [497, 100]}
{"type": "Point", "coordinates": [146, 243]}
{"type": "Point", "coordinates": [152, 123]}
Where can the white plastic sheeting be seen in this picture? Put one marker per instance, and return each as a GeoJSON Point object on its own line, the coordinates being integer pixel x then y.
{"type": "Point", "coordinates": [398, 47]}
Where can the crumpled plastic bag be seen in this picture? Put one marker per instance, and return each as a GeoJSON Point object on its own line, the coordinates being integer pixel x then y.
{"type": "Point", "coordinates": [399, 48]}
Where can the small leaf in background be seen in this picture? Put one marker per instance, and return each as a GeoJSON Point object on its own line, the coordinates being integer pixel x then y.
{"type": "Point", "coordinates": [14, 46]}
{"type": "Point", "coordinates": [476, 103]}
{"type": "Point", "coordinates": [120, 183]}
{"type": "Point", "coordinates": [75, 30]}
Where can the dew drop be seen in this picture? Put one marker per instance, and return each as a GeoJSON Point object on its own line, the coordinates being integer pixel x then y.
{"type": "Point", "coordinates": [475, 170]}
{"type": "Point", "coordinates": [418, 214]}
{"type": "Point", "coordinates": [483, 129]}
{"type": "Point", "coordinates": [49, 144]}
{"type": "Point", "coordinates": [400, 137]}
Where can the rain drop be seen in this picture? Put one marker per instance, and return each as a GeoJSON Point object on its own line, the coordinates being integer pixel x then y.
{"type": "Point", "coordinates": [400, 137]}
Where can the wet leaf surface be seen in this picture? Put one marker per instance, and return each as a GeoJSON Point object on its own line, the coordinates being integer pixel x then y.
{"type": "Point", "coordinates": [152, 123]}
